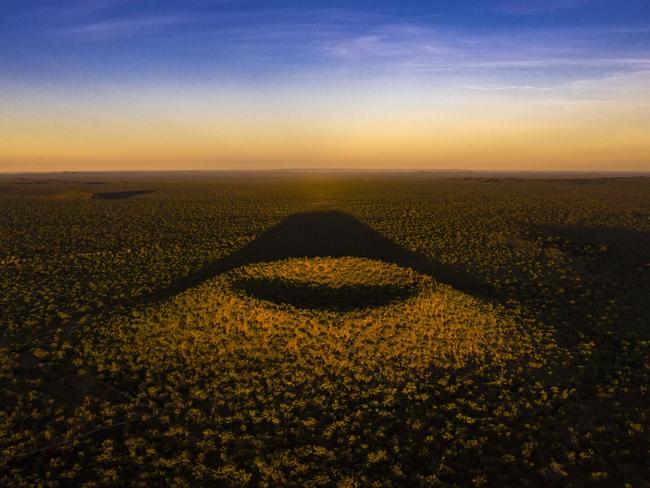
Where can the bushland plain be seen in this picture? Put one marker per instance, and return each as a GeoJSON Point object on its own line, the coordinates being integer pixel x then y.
{"type": "Point", "coordinates": [324, 330]}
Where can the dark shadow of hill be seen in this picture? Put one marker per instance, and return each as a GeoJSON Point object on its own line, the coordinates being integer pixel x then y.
{"type": "Point", "coordinates": [306, 235]}
{"type": "Point", "coordinates": [610, 274]}
{"type": "Point", "coordinates": [625, 246]}
{"type": "Point", "coordinates": [344, 298]}
{"type": "Point", "coordinates": [603, 302]}
{"type": "Point", "coordinates": [329, 234]}
{"type": "Point", "coordinates": [120, 195]}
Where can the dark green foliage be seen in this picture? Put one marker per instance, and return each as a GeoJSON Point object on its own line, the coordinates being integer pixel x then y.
{"type": "Point", "coordinates": [503, 338]}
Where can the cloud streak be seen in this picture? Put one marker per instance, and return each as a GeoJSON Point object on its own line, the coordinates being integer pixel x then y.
{"type": "Point", "coordinates": [536, 7]}
{"type": "Point", "coordinates": [122, 27]}
{"type": "Point", "coordinates": [221, 37]}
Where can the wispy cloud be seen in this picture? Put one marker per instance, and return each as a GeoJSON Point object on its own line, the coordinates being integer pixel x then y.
{"type": "Point", "coordinates": [127, 26]}
{"type": "Point", "coordinates": [509, 88]}
{"type": "Point", "coordinates": [348, 42]}
{"type": "Point", "coordinates": [336, 43]}
{"type": "Point", "coordinates": [420, 49]}
{"type": "Point", "coordinates": [73, 10]}
{"type": "Point", "coordinates": [534, 7]}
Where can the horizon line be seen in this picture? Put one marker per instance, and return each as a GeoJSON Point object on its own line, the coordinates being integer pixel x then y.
{"type": "Point", "coordinates": [336, 170]}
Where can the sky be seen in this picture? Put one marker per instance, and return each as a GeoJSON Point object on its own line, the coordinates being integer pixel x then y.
{"type": "Point", "coordinates": [250, 84]}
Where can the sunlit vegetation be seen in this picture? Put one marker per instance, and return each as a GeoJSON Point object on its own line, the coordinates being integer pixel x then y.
{"type": "Point", "coordinates": [456, 332]}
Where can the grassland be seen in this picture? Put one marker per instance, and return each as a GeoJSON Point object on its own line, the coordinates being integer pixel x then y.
{"type": "Point", "coordinates": [324, 330]}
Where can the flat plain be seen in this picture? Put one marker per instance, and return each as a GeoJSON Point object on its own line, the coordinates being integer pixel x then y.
{"type": "Point", "coordinates": [324, 330]}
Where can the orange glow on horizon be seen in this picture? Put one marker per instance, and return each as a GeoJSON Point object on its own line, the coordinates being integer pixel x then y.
{"type": "Point", "coordinates": [326, 129]}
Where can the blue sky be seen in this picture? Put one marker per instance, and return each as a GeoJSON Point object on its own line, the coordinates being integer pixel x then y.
{"type": "Point", "coordinates": [323, 82]}
{"type": "Point", "coordinates": [541, 41]}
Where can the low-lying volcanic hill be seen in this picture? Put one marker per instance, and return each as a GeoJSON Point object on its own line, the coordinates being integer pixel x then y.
{"type": "Point", "coordinates": [325, 331]}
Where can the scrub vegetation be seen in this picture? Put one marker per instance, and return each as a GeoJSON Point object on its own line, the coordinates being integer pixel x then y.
{"type": "Point", "coordinates": [324, 330]}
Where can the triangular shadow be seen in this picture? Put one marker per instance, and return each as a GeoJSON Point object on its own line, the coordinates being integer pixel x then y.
{"type": "Point", "coordinates": [329, 234]}
{"type": "Point", "coordinates": [332, 234]}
